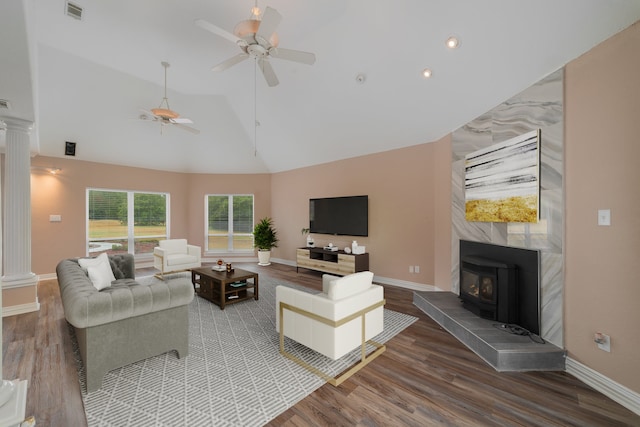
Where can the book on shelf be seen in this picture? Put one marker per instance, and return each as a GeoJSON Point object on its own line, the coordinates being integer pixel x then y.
{"type": "Point", "coordinates": [238, 284]}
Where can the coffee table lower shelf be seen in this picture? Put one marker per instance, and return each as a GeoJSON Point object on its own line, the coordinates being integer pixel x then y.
{"type": "Point", "coordinates": [216, 286]}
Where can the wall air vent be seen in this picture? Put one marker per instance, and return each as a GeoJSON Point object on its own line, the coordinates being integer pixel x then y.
{"type": "Point", "coordinates": [4, 104]}
{"type": "Point", "coordinates": [73, 10]}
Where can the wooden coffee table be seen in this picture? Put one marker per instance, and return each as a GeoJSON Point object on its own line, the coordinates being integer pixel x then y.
{"type": "Point", "coordinates": [216, 286]}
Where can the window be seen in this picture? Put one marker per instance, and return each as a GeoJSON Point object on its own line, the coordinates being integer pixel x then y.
{"type": "Point", "coordinates": [229, 222]}
{"type": "Point", "coordinates": [125, 221]}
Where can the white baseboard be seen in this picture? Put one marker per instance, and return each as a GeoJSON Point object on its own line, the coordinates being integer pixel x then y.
{"type": "Point", "coordinates": [378, 279]}
{"type": "Point", "coordinates": [621, 394]}
{"type": "Point", "coordinates": [414, 286]}
{"type": "Point", "coordinates": [20, 309]}
{"type": "Point", "coordinates": [283, 261]}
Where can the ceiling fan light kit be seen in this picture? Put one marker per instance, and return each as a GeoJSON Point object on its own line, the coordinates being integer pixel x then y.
{"type": "Point", "coordinates": [257, 38]}
{"type": "Point", "coordinates": [164, 113]}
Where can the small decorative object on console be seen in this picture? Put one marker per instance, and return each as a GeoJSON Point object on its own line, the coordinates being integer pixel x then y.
{"type": "Point", "coordinates": [219, 266]}
{"type": "Point", "coordinates": [347, 250]}
{"type": "Point", "coordinates": [310, 242]}
{"type": "Point", "coordinates": [355, 249]}
{"type": "Point", "coordinates": [331, 248]}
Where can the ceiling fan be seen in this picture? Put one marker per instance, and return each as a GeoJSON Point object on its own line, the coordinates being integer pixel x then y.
{"type": "Point", "coordinates": [164, 114]}
{"type": "Point", "coordinates": [257, 39]}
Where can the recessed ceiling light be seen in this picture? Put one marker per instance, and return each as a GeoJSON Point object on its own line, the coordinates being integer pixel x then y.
{"type": "Point", "coordinates": [426, 73]}
{"type": "Point", "coordinates": [452, 42]}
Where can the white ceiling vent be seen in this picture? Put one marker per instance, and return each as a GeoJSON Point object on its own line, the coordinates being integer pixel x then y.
{"type": "Point", "coordinates": [73, 10]}
{"type": "Point", "coordinates": [4, 104]}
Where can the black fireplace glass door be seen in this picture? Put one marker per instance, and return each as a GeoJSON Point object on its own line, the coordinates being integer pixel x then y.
{"type": "Point", "coordinates": [479, 285]}
{"type": "Point", "coordinates": [470, 283]}
{"type": "Point", "coordinates": [487, 289]}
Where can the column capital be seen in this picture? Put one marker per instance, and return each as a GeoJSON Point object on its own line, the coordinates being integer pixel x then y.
{"type": "Point", "coordinates": [16, 124]}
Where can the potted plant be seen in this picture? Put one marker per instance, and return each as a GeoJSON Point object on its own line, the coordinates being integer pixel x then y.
{"type": "Point", "coordinates": [310, 242]}
{"type": "Point", "coordinates": [264, 238]}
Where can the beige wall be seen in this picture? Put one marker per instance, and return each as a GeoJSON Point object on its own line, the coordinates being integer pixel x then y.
{"type": "Point", "coordinates": [65, 194]}
{"type": "Point", "coordinates": [408, 191]}
{"type": "Point", "coordinates": [406, 188]}
{"type": "Point", "coordinates": [602, 287]}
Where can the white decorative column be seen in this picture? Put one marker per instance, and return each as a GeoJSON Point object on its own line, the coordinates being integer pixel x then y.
{"type": "Point", "coordinates": [13, 394]}
{"type": "Point", "coordinates": [17, 206]}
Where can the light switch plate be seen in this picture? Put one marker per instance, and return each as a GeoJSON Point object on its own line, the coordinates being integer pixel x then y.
{"type": "Point", "coordinates": [55, 218]}
{"type": "Point", "coordinates": [604, 216]}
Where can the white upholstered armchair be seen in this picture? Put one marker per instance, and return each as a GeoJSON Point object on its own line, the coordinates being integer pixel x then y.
{"type": "Point", "coordinates": [345, 316]}
{"type": "Point", "coordinates": [173, 255]}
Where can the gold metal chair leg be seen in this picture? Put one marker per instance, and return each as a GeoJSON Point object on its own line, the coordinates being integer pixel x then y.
{"type": "Point", "coordinates": [345, 375]}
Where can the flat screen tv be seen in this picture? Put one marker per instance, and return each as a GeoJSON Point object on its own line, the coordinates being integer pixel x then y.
{"type": "Point", "coordinates": [345, 216]}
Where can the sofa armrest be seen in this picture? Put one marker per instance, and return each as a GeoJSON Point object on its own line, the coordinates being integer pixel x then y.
{"type": "Point", "coordinates": [194, 250]}
{"type": "Point", "coordinates": [123, 266]}
{"type": "Point", "coordinates": [158, 251]}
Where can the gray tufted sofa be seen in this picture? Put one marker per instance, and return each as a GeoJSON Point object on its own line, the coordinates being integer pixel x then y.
{"type": "Point", "coordinates": [126, 322]}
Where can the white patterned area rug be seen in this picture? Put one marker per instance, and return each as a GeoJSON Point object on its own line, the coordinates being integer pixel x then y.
{"type": "Point", "coordinates": [234, 374]}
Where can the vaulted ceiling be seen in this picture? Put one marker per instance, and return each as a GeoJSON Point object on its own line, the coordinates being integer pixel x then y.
{"type": "Point", "coordinates": [87, 80]}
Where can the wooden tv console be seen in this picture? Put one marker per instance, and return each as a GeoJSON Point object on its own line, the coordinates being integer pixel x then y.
{"type": "Point", "coordinates": [332, 262]}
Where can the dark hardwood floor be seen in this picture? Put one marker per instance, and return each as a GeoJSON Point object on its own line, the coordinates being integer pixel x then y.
{"type": "Point", "coordinates": [426, 377]}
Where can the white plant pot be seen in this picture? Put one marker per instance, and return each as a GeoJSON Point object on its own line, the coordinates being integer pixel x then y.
{"type": "Point", "coordinates": [264, 257]}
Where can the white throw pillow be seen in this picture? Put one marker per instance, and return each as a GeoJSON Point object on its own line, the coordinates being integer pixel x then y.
{"type": "Point", "coordinates": [87, 262]}
{"type": "Point", "coordinates": [99, 270]}
{"type": "Point", "coordinates": [99, 276]}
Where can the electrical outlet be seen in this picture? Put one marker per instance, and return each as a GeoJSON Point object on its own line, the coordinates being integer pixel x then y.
{"type": "Point", "coordinates": [411, 269]}
{"type": "Point", "coordinates": [416, 269]}
{"type": "Point", "coordinates": [603, 341]}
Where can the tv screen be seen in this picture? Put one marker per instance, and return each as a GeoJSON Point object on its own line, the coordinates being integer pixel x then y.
{"type": "Point", "coordinates": [346, 216]}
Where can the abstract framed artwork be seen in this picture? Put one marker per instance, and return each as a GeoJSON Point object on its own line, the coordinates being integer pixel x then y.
{"type": "Point", "coordinates": [502, 181]}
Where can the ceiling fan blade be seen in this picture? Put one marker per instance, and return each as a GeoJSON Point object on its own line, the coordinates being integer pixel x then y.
{"type": "Point", "coordinates": [268, 73]}
{"type": "Point", "coordinates": [187, 128]}
{"type": "Point", "coordinates": [270, 21]}
{"type": "Point", "coordinates": [230, 62]}
{"type": "Point", "coordinates": [217, 30]}
{"type": "Point", "coordinates": [147, 115]}
{"type": "Point", "coordinates": [293, 55]}
{"type": "Point", "coordinates": [180, 120]}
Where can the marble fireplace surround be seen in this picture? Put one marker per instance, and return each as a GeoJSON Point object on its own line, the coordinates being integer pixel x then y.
{"type": "Point", "coordinates": [538, 107]}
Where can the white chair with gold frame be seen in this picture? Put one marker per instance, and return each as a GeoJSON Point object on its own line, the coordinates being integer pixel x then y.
{"type": "Point", "coordinates": [346, 315]}
{"type": "Point", "coordinates": [174, 255]}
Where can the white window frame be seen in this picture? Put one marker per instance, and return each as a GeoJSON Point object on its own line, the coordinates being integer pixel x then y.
{"type": "Point", "coordinates": [230, 234]}
{"type": "Point", "coordinates": [130, 219]}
